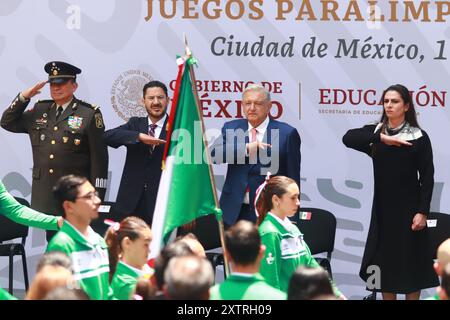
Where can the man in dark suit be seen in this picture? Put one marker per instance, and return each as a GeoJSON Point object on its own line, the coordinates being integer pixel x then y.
{"type": "Point", "coordinates": [65, 133]}
{"type": "Point", "coordinates": [252, 147]}
{"type": "Point", "coordinates": [144, 140]}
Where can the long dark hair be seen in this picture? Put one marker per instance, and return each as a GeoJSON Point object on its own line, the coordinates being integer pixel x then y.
{"type": "Point", "coordinates": [278, 186]}
{"type": "Point", "coordinates": [410, 115]}
{"type": "Point", "coordinates": [129, 227]}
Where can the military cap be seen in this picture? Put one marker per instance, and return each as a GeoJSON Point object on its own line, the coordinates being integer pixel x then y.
{"type": "Point", "coordinates": [60, 72]}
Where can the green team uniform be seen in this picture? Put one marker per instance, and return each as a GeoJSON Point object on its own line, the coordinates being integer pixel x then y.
{"type": "Point", "coordinates": [285, 252]}
{"type": "Point", "coordinates": [89, 259]}
{"type": "Point", "coordinates": [18, 213]}
{"type": "Point", "coordinates": [240, 286]}
{"type": "Point", "coordinates": [125, 279]}
{"type": "Point", "coordinates": [4, 295]}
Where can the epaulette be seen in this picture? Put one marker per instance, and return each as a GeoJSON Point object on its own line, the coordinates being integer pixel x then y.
{"type": "Point", "coordinates": [45, 101]}
{"type": "Point", "coordinates": [87, 104]}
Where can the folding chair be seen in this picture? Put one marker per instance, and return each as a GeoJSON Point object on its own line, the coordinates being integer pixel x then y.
{"type": "Point", "coordinates": [9, 230]}
{"type": "Point", "coordinates": [319, 229]}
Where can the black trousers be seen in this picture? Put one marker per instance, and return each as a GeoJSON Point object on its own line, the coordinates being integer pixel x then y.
{"type": "Point", "coordinates": [244, 214]}
{"type": "Point", "coordinates": [145, 206]}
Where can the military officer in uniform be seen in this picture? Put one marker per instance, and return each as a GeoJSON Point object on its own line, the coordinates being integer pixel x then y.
{"type": "Point", "coordinates": [65, 133]}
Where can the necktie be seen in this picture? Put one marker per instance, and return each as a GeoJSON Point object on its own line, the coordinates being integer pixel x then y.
{"type": "Point", "coordinates": [151, 132]}
{"type": "Point", "coordinates": [253, 134]}
{"type": "Point", "coordinates": [59, 111]}
{"type": "Point", "coordinates": [151, 129]}
{"type": "Point", "coordinates": [252, 154]}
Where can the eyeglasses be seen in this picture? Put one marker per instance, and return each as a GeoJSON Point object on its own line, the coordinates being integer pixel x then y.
{"type": "Point", "coordinates": [89, 196]}
{"type": "Point", "coordinates": [158, 98]}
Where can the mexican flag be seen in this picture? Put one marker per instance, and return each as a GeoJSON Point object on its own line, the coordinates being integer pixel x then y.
{"type": "Point", "coordinates": [186, 189]}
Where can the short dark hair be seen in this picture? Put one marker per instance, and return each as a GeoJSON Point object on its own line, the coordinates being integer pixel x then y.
{"type": "Point", "coordinates": [152, 84]}
{"type": "Point", "coordinates": [174, 249]}
{"type": "Point", "coordinates": [242, 242]}
{"type": "Point", "coordinates": [66, 189]}
{"type": "Point", "coordinates": [188, 278]}
{"type": "Point", "coordinates": [54, 258]}
{"type": "Point", "coordinates": [308, 283]}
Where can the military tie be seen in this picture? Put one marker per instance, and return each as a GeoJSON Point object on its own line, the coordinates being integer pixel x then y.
{"type": "Point", "coordinates": [59, 111]}
{"type": "Point", "coordinates": [151, 132]}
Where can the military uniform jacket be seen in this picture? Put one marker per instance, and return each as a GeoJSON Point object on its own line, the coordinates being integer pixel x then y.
{"type": "Point", "coordinates": [245, 287]}
{"type": "Point", "coordinates": [70, 145]}
{"type": "Point", "coordinates": [285, 252]}
{"type": "Point", "coordinates": [18, 213]}
{"type": "Point", "coordinates": [89, 257]}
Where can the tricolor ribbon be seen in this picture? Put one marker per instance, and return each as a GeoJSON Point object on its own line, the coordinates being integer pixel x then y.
{"type": "Point", "coordinates": [259, 190]}
{"type": "Point", "coordinates": [113, 224]}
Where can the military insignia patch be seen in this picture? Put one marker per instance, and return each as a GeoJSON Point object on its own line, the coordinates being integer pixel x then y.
{"type": "Point", "coordinates": [41, 121]}
{"type": "Point", "coordinates": [98, 120]}
{"type": "Point", "coordinates": [75, 122]}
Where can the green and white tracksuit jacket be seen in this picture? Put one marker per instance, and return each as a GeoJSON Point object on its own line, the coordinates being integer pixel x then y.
{"type": "Point", "coordinates": [285, 252]}
{"type": "Point", "coordinates": [89, 259]}
{"type": "Point", "coordinates": [240, 286]}
{"type": "Point", "coordinates": [4, 295]}
{"type": "Point", "coordinates": [125, 279]}
{"type": "Point", "coordinates": [19, 213]}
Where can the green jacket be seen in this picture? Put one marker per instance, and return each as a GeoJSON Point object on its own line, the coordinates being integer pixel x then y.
{"type": "Point", "coordinates": [124, 281]}
{"type": "Point", "coordinates": [4, 295]}
{"type": "Point", "coordinates": [435, 297]}
{"type": "Point", "coordinates": [285, 252]}
{"type": "Point", "coordinates": [18, 213]}
{"type": "Point", "coordinates": [89, 259]}
{"type": "Point", "coordinates": [243, 287]}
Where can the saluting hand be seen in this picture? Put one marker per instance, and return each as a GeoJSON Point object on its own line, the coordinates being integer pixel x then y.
{"type": "Point", "coordinates": [34, 90]}
{"type": "Point", "coordinates": [419, 222]}
{"type": "Point", "coordinates": [152, 141]}
{"type": "Point", "coordinates": [392, 141]}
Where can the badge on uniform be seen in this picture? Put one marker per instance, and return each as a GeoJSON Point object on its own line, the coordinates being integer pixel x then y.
{"type": "Point", "coordinates": [41, 121]}
{"type": "Point", "coordinates": [65, 139]}
{"type": "Point", "coordinates": [270, 259]}
{"type": "Point", "coordinates": [98, 120]}
{"type": "Point", "coordinates": [75, 122]}
{"type": "Point", "coordinates": [42, 137]}
{"type": "Point", "coordinates": [77, 142]}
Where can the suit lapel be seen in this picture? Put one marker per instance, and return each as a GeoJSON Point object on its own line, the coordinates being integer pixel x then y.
{"type": "Point", "coordinates": [163, 134]}
{"type": "Point", "coordinates": [143, 125]}
{"type": "Point", "coordinates": [271, 133]}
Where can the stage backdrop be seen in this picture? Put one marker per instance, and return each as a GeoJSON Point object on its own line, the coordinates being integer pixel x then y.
{"type": "Point", "coordinates": [324, 62]}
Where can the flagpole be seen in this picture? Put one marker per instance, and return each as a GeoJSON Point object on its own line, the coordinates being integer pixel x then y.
{"type": "Point", "coordinates": [211, 176]}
